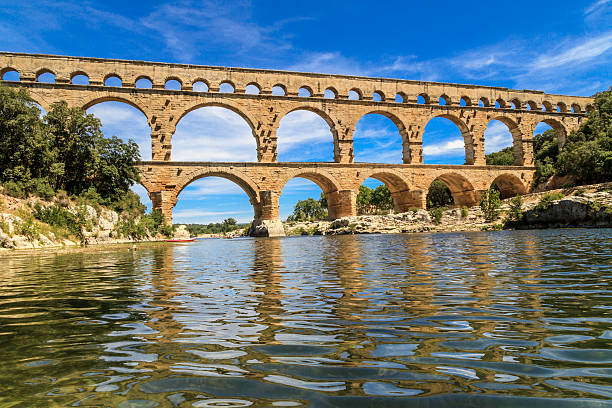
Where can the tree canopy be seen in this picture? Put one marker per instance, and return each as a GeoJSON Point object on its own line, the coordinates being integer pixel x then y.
{"type": "Point", "coordinates": [439, 195]}
{"type": "Point", "coordinates": [587, 154]}
{"type": "Point", "coordinates": [505, 157]}
{"type": "Point", "coordinates": [371, 200]}
{"type": "Point", "coordinates": [64, 150]}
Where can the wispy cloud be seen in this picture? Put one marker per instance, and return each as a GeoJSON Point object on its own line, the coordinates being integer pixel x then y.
{"type": "Point", "coordinates": [201, 213]}
{"type": "Point", "coordinates": [497, 137]}
{"type": "Point", "coordinates": [333, 62]}
{"type": "Point", "coordinates": [598, 5]}
{"type": "Point", "coordinates": [190, 29]}
{"type": "Point", "coordinates": [580, 53]}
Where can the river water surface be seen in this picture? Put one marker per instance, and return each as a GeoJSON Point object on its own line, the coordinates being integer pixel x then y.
{"type": "Point", "coordinates": [491, 319]}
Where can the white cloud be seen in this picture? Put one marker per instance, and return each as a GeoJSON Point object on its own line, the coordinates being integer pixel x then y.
{"type": "Point", "coordinates": [190, 28]}
{"type": "Point", "coordinates": [126, 122]}
{"type": "Point", "coordinates": [213, 134]}
{"type": "Point", "coordinates": [444, 148]}
{"type": "Point", "coordinates": [201, 213]}
{"type": "Point", "coordinates": [304, 136]}
{"type": "Point", "coordinates": [497, 137]}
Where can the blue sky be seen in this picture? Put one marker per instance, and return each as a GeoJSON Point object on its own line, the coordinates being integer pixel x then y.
{"type": "Point", "coordinates": [554, 46]}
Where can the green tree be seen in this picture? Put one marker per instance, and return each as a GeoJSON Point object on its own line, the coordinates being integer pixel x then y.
{"type": "Point", "coordinates": [505, 157]}
{"type": "Point", "coordinates": [323, 200]}
{"type": "Point", "coordinates": [88, 157]}
{"type": "Point", "coordinates": [229, 224]}
{"type": "Point", "coordinates": [490, 203]}
{"type": "Point", "coordinates": [24, 150]}
{"type": "Point", "coordinates": [381, 198]}
{"type": "Point", "coordinates": [515, 213]}
{"type": "Point", "coordinates": [439, 195]}
{"type": "Point", "coordinates": [308, 210]}
{"type": "Point", "coordinates": [364, 197]}
{"type": "Point", "coordinates": [587, 154]}
{"type": "Point", "coordinates": [65, 150]}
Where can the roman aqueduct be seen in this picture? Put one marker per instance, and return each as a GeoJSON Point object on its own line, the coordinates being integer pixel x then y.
{"type": "Point", "coordinates": [340, 100]}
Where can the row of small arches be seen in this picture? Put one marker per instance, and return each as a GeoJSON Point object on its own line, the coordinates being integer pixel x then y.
{"type": "Point", "coordinates": [201, 85]}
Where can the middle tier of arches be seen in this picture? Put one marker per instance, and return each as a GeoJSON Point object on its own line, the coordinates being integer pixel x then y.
{"type": "Point", "coordinates": [164, 112]}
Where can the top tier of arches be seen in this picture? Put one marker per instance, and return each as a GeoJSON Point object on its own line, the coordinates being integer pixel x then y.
{"type": "Point", "coordinates": [189, 78]}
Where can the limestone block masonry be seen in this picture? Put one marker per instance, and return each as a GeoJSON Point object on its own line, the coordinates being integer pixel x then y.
{"type": "Point", "coordinates": [409, 104]}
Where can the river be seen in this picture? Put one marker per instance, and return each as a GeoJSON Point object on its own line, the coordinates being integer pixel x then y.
{"type": "Point", "coordinates": [486, 319]}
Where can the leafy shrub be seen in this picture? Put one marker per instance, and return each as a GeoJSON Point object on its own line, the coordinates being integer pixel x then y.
{"type": "Point", "coordinates": [14, 189]}
{"type": "Point", "coordinates": [490, 203]}
{"type": "Point", "coordinates": [439, 195]}
{"type": "Point", "coordinates": [580, 192]}
{"type": "Point", "coordinates": [59, 217]}
{"type": "Point", "coordinates": [464, 211]}
{"type": "Point", "coordinates": [27, 227]}
{"type": "Point", "coordinates": [547, 200]}
{"type": "Point", "coordinates": [515, 213]}
{"type": "Point", "coordinates": [436, 214]}
{"type": "Point", "coordinates": [41, 188]}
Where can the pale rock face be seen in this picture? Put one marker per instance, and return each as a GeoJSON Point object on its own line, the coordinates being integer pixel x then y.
{"type": "Point", "coordinates": [103, 232]}
{"type": "Point", "coordinates": [181, 232]}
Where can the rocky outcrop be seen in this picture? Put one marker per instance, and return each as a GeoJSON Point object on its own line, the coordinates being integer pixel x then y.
{"type": "Point", "coordinates": [20, 230]}
{"type": "Point", "coordinates": [266, 228]}
{"type": "Point", "coordinates": [588, 209]}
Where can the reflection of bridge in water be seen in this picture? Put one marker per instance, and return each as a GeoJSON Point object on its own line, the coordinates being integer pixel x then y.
{"type": "Point", "coordinates": [339, 99]}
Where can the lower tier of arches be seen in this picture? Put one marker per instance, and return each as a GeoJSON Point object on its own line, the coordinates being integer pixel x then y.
{"type": "Point", "coordinates": [263, 183]}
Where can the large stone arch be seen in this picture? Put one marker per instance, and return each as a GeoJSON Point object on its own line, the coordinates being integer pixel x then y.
{"type": "Point", "coordinates": [327, 183]}
{"type": "Point", "coordinates": [239, 178]}
{"type": "Point", "coordinates": [401, 127]}
{"type": "Point", "coordinates": [461, 188]}
{"type": "Point", "coordinates": [317, 111]}
{"type": "Point", "coordinates": [468, 137]}
{"type": "Point", "coordinates": [397, 184]}
{"type": "Point", "coordinates": [251, 121]}
{"type": "Point", "coordinates": [558, 127]}
{"type": "Point", "coordinates": [238, 109]}
{"type": "Point", "coordinates": [509, 185]}
{"type": "Point", "coordinates": [42, 100]}
{"type": "Point", "coordinates": [517, 137]}
{"type": "Point", "coordinates": [115, 98]}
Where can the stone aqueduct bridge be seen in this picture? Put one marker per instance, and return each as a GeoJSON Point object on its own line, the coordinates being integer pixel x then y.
{"type": "Point", "coordinates": [340, 100]}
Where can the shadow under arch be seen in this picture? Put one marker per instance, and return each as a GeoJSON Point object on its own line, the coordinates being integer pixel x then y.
{"type": "Point", "coordinates": [320, 114]}
{"type": "Point", "coordinates": [398, 186]}
{"type": "Point", "coordinates": [462, 190]}
{"type": "Point", "coordinates": [401, 129]}
{"type": "Point", "coordinates": [236, 177]}
{"type": "Point", "coordinates": [326, 182]}
{"type": "Point", "coordinates": [509, 185]}
{"type": "Point", "coordinates": [468, 139]}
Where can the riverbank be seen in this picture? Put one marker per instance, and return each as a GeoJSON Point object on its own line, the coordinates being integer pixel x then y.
{"type": "Point", "coordinates": [71, 224]}
{"type": "Point", "coordinates": [583, 206]}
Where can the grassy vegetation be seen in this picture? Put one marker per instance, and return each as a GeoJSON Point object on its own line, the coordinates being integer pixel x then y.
{"type": "Point", "coordinates": [547, 200]}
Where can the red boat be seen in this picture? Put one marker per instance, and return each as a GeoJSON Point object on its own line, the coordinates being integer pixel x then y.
{"type": "Point", "coordinates": [181, 240]}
